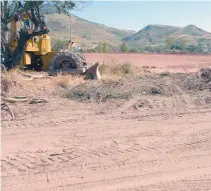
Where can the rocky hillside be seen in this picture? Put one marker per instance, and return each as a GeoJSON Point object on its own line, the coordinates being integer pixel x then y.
{"type": "Point", "coordinates": [159, 34]}
{"type": "Point", "coordinates": [151, 34]}
{"type": "Point", "coordinates": [85, 32]}
{"type": "Point", "coordinates": [89, 34]}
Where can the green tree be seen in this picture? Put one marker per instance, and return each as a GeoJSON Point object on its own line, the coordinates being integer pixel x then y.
{"type": "Point", "coordinates": [133, 50]}
{"type": "Point", "coordinates": [158, 49]}
{"type": "Point", "coordinates": [124, 47]}
{"type": "Point", "coordinates": [105, 47]}
{"type": "Point", "coordinates": [99, 48]}
{"type": "Point", "coordinates": [200, 47]}
{"type": "Point", "coordinates": [182, 45]}
{"type": "Point", "coordinates": [170, 42]}
{"type": "Point", "coordinates": [148, 49]}
{"type": "Point", "coordinates": [192, 48]}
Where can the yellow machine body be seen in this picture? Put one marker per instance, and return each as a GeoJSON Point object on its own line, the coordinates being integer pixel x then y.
{"type": "Point", "coordinates": [40, 48]}
{"type": "Point", "coordinates": [39, 56]}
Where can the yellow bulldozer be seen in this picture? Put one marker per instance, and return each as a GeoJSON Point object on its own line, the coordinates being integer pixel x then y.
{"type": "Point", "coordinates": [39, 56]}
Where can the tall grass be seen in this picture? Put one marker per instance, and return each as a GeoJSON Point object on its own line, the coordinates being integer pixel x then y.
{"type": "Point", "coordinates": [112, 68]}
{"type": "Point", "coordinates": [65, 81]}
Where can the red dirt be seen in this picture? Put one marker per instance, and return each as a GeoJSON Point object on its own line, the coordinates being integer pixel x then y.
{"type": "Point", "coordinates": [151, 142]}
{"type": "Point", "coordinates": [161, 62]}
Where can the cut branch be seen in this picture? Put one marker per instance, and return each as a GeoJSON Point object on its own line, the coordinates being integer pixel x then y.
{"type": "Point", "coordinates": [4, 105]}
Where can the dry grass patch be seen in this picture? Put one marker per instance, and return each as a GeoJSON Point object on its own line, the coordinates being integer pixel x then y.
{"type": "Point", "coordinates": [14, 83]}
{"type": "Point", "coordinates": [110, 68]}
{"type": "Point", "coordinates": [8, 80]}
{"type": "Point", "coordinates": [65, 81]}
{"type": "Point", "coordinates": [12, 75]}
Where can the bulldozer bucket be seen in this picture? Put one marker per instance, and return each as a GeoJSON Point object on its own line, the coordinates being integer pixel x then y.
{"type": "Point", "coordinates": [93, 72]}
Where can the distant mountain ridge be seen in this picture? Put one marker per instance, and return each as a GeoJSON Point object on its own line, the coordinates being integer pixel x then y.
{"type": "Point", "coordinates": [151, 34]}
{"type": "Point", "coordinates": [159, 34]}
{"type": "Point", "coordinates": [90, 34]}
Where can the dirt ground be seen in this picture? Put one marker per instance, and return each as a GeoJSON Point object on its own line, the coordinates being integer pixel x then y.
{"type": "Point", "coordinates": [138, 133]}
{"type": "Point", "coordinates": [160, 62]}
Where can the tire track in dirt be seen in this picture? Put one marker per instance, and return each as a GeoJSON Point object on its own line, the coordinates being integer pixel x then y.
{"type": "Point", "coordinates": [95, 153]}
{"type": "Point", "coordinates": [16, 127]}
{"type": "Point", "coordinates": [194, 185]}
{"type": "Point", "coordinates": [30, 161]}
{"type": "Point", "coordinates": [119, 182]}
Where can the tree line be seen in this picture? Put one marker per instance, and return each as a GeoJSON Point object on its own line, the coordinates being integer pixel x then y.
{"type": "Point", "coordinates": [170, 46]}
{"type": "Point", "coordinates": [105, 48]}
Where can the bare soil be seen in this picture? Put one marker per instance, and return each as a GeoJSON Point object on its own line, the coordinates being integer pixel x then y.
{"type": "Point", "coordinates": [149, 132]}
{"type": "Point", "coordinates": [157, 62]}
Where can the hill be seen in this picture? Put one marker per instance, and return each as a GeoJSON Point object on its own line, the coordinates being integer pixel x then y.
{"type": "Point", "coordinates": [191, 30]}
{"type": "Point", "coordinates": [89, 34]}
{"type": "Point", "coordinates": [159, 35]}
{"type": "Point", "coordinates": [193, 35]}
{"type": "Point", "coordinates": [151, 34]}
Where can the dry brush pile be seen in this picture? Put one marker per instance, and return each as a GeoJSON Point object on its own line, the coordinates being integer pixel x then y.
{"type": "Point", "coordinates": [164, 84]}
{"type": "Point", "coordinates": [120, 81]}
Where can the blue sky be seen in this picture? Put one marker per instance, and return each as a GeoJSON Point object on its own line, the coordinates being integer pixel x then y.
{"type": "Point", "coordinates": [134, 15]}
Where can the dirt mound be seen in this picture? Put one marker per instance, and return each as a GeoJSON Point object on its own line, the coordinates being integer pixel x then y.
{"type": "Point", "coordinates": [153, 85]}
{"type": "Point", "coordinates": [197, 81]}
{"type": "Point", "coordinates": [124, 88]}
{"type": "Point", "coordinates": [205, 74]}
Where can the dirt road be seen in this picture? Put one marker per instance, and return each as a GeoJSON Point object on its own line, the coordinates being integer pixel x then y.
{"type": "Point", "coordinates": [69, 146]}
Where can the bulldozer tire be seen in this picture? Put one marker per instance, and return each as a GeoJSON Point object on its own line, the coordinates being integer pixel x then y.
{"type": "Point", "coordinates": [66, 60]}
{"type": "Point", "coordinates": [81, 56]}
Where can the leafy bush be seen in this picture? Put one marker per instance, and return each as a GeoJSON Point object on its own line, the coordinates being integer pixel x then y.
{"type": "Point", "coordinates": [127, 68]}
{"type": "Point", "coordinates": [163, 74]}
